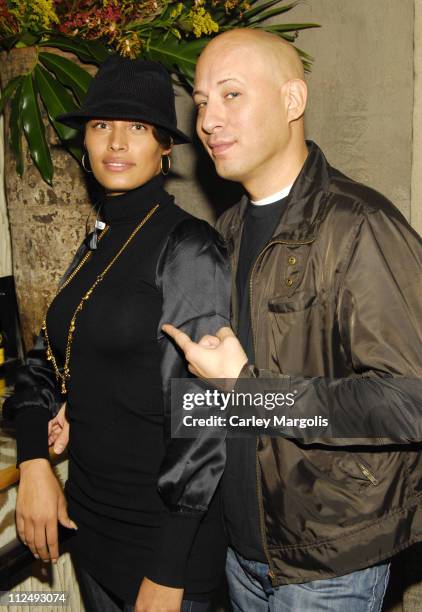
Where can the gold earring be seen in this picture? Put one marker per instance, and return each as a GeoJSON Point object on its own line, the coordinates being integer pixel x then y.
{"type": "Point", "coordinates": [165, 171]}
{"type": "Point", "coordinates": [84, 166]}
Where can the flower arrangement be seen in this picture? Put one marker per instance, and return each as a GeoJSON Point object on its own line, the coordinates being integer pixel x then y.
{"type": "Point", "coordinates": [169, 31]}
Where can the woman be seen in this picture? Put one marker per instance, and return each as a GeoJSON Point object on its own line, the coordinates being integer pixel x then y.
{"type": "Point", "coordinates": [135, 543]}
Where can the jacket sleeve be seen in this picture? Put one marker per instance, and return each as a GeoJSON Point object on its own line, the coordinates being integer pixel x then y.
{"type": "Point", "coordinates": [379, 313]}
{"type": "Point", "coordinates": [194, 276]}
{"type": "Point", "coordinates": [37, 396]}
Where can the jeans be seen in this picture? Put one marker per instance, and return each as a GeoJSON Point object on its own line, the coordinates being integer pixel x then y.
{"type": "Point", "coordinates": [97, 598]}
{"type": "Point", "coordinates": [251, 590]}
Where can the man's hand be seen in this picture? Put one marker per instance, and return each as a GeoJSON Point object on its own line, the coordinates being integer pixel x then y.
{"type": "Point", "coordinates": [40, 505]}
{"type": "Point", "coordinates": [219, 356]}
{"type": "Point", "coordinates": [58, 431]}
{"type": "Point", "coordinates": [153, 597]}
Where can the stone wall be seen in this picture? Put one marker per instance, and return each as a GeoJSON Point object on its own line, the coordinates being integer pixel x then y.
{"type": "Point", "coordinates": [416, 201]}
{"type": "Point", "coordinates": [360, 106]}
{"type": "Point", "coordinates": [5, 248]}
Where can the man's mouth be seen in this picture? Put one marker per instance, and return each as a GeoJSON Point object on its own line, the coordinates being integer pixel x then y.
{"type": "Point", "coordinates": [220, 147]}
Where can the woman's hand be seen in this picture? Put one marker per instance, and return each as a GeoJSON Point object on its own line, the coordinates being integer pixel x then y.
{"type": "Point", "coordinates": [153, 597]}
{"type": "Point", "coordinates": [40, 505]}
{"type": "Point", "coordinates": [58, 431]}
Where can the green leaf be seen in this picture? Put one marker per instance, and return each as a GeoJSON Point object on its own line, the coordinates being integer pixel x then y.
{"type": "Point", "coordinates": [290, 27]}
{"type": "Point", "coordinates": [74, 45]}
{"type": "Point", "coordinates": [8, 91]}
{"type": "Point", "coordinates": [247, 15]}
{"type": "Point", "coordinates": [77, 152]}
{"type": "Point", "coordinates": [68, 73]}
{"type": "Point", "coordinates": [306, 59]}
{"type": "Point", "coordinates": [264, 16]}
{"type": "Point", "coordinates": [222, 17]}
{"type": "Point", "coordinates": [98, 50]}
{"type": "Point", "coordinates": [175, 56]}
{"type": "Point", "coordinates": [244, 18]}
{"type": "Point", "coordinates": [304, 55]}
{"type": "Point", "coordinates": [28, 38]}
{"type": "Point", "coordinates": [57, 101]}
{"type": "Point", "coordinates": [8, 42]}
{"type": "Point", "coordinates": [34, 129]}
{"type": "Point", "coordinates": [15, 128]}
{"type": "Point", "coordinates": [90, 51]}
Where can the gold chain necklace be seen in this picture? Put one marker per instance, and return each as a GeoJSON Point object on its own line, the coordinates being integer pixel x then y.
{"type": "Point", "coordinates": [72, 327]}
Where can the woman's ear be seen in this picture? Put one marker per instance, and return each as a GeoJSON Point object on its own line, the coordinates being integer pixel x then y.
{"type": "Point", "coordinates": [296, 93]}
{"type": "Point", "coordinates": [169, 149]}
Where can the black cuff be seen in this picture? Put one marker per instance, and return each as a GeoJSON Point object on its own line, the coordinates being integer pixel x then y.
{"type": "Point", "coordinates": [31, 434]}
{"type": "Point", "coordinates": [172, 550]}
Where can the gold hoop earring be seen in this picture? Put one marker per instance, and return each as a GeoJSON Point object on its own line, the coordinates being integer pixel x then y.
{"type": "Point", "coordinates": [166, 170]}
{"type": "Point", "coordinates": [84, 166]}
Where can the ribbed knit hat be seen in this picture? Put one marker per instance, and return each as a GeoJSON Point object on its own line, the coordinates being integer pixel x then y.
{"type": "Point", "coordinates": [131, 90]}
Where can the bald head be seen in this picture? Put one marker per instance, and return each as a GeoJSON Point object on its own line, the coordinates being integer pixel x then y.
{"type": "Point", "coordinates": [250, 96]}
{"type": "Point", "coordinates": [277, 57]}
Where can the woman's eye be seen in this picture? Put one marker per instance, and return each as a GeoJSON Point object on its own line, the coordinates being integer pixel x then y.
{"type": "Point", "coordinates": [138, 127]}
{"type": "Point", "coordinates": [102, 125]}
{"type": "Point", "coordinates": [200, 104]}
{"type": "Point", "coordinates": [232, 94]}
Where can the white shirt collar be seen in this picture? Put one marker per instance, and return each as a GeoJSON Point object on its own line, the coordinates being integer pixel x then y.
{"type": "Point", "coordinates": [274, 197]}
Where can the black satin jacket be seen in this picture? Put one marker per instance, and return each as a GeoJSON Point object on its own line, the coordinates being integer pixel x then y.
{"type": "Point", "coordinates": [193, 274]}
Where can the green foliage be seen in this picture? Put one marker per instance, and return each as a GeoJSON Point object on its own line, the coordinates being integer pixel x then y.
{"type": "Point", "coordinates": [34, 129]}
{"type": "Point", "coordinates": [67, 73]}
{"type": "Point", "coordinates": [168, 31]}
{"type": "Point", "coordinates": [56, 99]}
{"type": "Point", "coordinates": [176, 57]}
{"type": "Point", "coordinates": [8, 91]}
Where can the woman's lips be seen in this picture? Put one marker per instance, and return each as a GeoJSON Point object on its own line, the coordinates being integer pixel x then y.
{"type": "Point", "coordinates": [118, 166]}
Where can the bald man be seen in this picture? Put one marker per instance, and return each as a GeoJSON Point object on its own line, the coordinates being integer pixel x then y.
{"type": "Point", "coordinates": [327, 286]}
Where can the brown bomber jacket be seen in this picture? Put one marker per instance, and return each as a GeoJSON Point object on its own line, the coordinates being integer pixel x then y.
{"type": "Point", "coordinates": [336, 309]}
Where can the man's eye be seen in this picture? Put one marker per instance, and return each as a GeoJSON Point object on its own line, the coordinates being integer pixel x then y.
{"type": "Point", "coordinates": [232, 94]}
{"type": "Point", "coordinates": [200, 105]}
{"type": "Point", "coordinates": [138, 127]}
{"type": "Point", "coordinates": [102, 125]}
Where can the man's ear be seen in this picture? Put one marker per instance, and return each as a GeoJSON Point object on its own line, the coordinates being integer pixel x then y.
{"type": "Point", "coordinates": [296, 93]}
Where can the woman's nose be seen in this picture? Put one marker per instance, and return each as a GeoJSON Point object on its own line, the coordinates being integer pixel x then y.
{"type": "Point", "coordinates": [118, 140]}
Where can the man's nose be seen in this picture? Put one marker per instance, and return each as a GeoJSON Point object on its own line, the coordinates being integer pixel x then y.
{"type": "Point", "coordinates": [211, 119]}
{"type": "Point", "coordinates": [118, 140]}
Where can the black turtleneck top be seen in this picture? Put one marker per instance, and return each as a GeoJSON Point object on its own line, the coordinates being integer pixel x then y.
{"type": "Point", "coordinates": [115, 410]}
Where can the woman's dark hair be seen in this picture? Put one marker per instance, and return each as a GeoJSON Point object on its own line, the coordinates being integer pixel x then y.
{"type": "Point", "coordinates": [162, 137]}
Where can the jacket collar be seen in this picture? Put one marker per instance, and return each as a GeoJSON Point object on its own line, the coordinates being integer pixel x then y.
{"type": "Point", "coordinates": [303, 207]}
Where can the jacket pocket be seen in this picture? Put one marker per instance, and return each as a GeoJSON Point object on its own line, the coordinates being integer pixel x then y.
{"type": "Point", "coordinates": [358, 469]}
{"type": "Point", "coordinates": [296, 331]}
{"type": "Point", "coordinates": [280, 305]}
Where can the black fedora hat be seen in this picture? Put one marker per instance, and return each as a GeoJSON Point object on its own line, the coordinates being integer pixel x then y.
{"type": "Point", "coordinates": [132, 90]}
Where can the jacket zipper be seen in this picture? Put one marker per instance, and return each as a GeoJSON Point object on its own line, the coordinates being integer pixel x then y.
{"type": "Point", "coordinates": [367, 473]}
{"type": "Point", "coordinates": [271, 572]}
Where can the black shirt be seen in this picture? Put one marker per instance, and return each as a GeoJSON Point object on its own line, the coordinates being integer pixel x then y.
{"type": "Point", "coordinates": [240, 485]}
{"type": "Point", "coordinates": [115, 409]}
